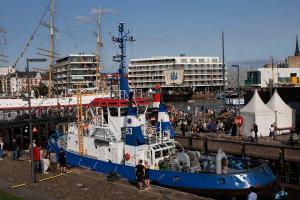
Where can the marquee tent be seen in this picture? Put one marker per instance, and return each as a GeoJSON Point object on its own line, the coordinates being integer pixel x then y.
{"type": "Point", "coordinates": [283, 112]}
{"type": "Point", "coordinates": [257, 112]}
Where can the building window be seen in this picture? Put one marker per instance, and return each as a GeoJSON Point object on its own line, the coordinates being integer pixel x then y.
{"type": "Point", "coordinates": [184, 60]}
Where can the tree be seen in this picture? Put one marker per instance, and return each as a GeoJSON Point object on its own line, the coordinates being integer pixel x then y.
{"type": "Point", "coordinates": [41, 90]}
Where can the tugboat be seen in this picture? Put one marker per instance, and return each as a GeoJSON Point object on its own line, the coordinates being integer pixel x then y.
{"type": "Point", "coordinates": [116, 136]}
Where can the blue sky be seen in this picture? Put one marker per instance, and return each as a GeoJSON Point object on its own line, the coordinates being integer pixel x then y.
{"type": "Point", "coordinates": [254, 29]}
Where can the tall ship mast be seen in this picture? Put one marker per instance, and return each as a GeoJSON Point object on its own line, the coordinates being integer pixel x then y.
{"type": "Point", "coordinates": [99, 45]}
{"type": "Point", "coordinates": [51, 48]}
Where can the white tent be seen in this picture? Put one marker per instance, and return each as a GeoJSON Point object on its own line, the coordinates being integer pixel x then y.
{"type": "Point", "coordinates": [283, 112]}
{"type": "Point", "coordinates": [257, 112]}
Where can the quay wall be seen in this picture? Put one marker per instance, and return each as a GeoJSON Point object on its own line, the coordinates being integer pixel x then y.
{"type": "Point", "coordinates": [241, 148]}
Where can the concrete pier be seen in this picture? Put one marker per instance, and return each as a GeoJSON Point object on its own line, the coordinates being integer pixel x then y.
{"type": "Point", "coordinates": [265, 149]}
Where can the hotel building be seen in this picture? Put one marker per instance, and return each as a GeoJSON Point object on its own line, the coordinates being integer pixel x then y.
{"type": "Point", "coordinates": [181, 71]}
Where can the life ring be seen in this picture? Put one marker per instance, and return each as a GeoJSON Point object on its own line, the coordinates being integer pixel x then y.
{"type": "Point", "coordinates": [85, 126]}
{"type": "Point", "coordinates": [127, 156]}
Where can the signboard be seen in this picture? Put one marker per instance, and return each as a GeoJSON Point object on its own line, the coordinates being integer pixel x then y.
{"type": "Point", "coordinates": [239, 120]}
{"type": "Point", "coordinates": [174, 76]}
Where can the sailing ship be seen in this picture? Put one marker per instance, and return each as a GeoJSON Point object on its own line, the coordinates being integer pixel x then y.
{"type": "Point", "coordinates": [116, 136]}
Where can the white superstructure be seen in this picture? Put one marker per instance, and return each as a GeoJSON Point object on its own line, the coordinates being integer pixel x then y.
{"type": "Point", "coordinates": [145, 73]}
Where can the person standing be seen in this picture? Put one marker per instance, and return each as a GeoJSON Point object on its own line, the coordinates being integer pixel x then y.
{"type": "Point", "coordinates": [140, 172]}
{"type": "Point", "coordinates": [53, 162]}
{"type": "Point", "coordinates": [255, 128]}
{"type": "Point", "coordinates": [1, 148]}
{"type": "Point", "coordinates": [41, 160]}
{"type": "Point", "coordinates": [36, 157]}
{"type": "Point", "coordinates": [234, 129]}
{"type": "Point", "coordinates": [272, 129]}
{"type": "Point", "coordinates": [62, 161]}
{"type": "Point", "coordinates": [252, 195]}
{"type": "Point", "coordinates": [14, 148]}
{"type": "Point", "coordinates": [183, 128]}
{"type": "Point", "coordinates": [46, 163]}
{"type": "Point", "coordinates": [146, 176]}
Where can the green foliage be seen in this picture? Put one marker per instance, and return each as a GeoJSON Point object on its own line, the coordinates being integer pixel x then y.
{"type": "Point", "coordinates": [41, 90]}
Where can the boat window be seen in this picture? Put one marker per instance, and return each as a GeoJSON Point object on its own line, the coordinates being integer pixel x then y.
{"type": "Point", "coordinates": [113, 112]}
{"type": "Point", "coordinates": [170, 144]}
{"type": "Point", "coordinates": [148, 155]}
{"type": "Point", "coordinates": [123, 132]}
{"type": "Point", "coordinates": [162, 145]}
{"type": "Point", "coordinates": [141, 109]}
{"type": "Point", "coordinates": [123, 111]}
{"type": "Point", "coordinates": [165, 152]}
{"type": "Point", "coordinates": [155, 147]}
{"type": "Point", "coordinates": [157, 154]}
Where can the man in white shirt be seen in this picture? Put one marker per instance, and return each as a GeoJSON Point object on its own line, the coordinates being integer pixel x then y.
{"type": "Point", "coordinates": [252, 195]}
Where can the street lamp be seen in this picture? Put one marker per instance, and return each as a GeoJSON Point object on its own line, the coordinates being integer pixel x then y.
{"type": "Point", "coordinates": [33, 175]}
{"type": "Point", "coordinates": [238, 80]}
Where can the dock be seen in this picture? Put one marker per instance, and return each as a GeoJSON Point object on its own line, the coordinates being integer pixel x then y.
{"type": "Point", "coordinates": [15, 179]}
{"type": "Point", "coordinates": [266, 148]}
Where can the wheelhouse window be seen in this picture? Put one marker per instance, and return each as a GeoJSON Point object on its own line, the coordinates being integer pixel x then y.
{"type": "Point", "coordinates": [113, 112]}
{"type": "Point", "coordinates": [157, 154]}
{"type": "Point", "coordinates": [142, 109]}
{"type": "Point", "coordinates": [170, 144]}
{"type": "Point", "coordinates": [165, 152]}
{"type": "Point", "coordinates": [162, 145]}
{"type": "Point", "coordinates": [123, 111]}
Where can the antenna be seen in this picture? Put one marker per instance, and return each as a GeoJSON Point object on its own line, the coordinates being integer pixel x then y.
{"type": "Point", "coordinates": [121, 58]}
{"type": "Point", "coordinates": [121, 40]}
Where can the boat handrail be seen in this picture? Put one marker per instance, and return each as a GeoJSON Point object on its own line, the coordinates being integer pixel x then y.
{"type": "Point", "coordinates": [108, 133]}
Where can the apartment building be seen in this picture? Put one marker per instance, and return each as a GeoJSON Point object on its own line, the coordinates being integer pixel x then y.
{"type": "Point", "coordinates": [75, 68]}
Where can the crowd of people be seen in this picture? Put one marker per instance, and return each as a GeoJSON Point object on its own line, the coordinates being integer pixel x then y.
{"type": "Point", "coordinates": [44, 161]}
{"type": "Point", "coordinates": [203, 120]}
{"type": "Point", "coordinates": [39, 113]}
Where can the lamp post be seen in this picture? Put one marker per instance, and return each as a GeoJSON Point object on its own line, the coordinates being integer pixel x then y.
{"type": "Point", "coordinates": [33, 175]}
{"type": "Point", "coordinates": [238, 81]}
{"type": "Point", "coordinates": [239, 103]}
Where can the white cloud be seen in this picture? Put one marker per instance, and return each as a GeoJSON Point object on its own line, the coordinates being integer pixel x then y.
{"type": "Point", "coordinates": [95, 11]}
{"type": "Point", "coordinates": [84, 19]}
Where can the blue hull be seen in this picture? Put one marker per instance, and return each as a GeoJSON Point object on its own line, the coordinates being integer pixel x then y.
{"type": "Point", "coordinates": [194, 182]}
